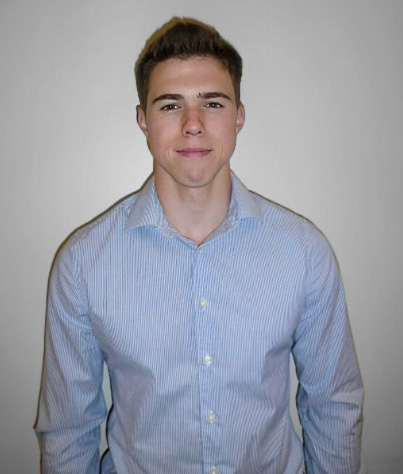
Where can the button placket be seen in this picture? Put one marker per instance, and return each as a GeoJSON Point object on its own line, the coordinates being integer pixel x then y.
{"type": "Point", "coordinates": [206, 331]}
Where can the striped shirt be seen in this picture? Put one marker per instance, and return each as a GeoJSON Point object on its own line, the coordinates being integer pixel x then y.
{"type": "Point", "coordinates": [197, 341]}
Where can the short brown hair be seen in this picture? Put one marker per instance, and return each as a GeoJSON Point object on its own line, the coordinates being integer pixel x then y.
{"type": "Point", "coordinates": [184, 38]}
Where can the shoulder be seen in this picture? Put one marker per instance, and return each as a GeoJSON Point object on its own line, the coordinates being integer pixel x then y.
{"type": "Point", "coordinates": [299, 243]}
{"type": "Point", "coordinates": [108, 226]}
{"type": "Point", "coordinates": [290, 227]}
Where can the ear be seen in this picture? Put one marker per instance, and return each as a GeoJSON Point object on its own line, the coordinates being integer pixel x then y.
{"type": "Point", "coordinates": [240, 118]}
{"type": "Point", "coordinates": [141, 120]}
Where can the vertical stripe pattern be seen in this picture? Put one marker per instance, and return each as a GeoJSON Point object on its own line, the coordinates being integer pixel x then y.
{"type": "Point", "coordinates": [197, 342]}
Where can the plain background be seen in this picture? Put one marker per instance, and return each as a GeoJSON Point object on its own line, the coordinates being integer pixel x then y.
{"type": "Point", "coordinates": [324, 136]}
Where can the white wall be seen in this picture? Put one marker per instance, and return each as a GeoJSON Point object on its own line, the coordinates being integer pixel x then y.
{"type": "Point", "coordinates": [323, 93]}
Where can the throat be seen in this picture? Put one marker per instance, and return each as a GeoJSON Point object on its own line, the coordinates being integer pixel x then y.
{"type": "Point", "coordinates": [196, 213]}
{"type": "Point", "coordinates": [197, 223]}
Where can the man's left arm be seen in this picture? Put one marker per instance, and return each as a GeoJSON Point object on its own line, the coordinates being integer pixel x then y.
{"type": "Point", "coordinates": [331, 392]}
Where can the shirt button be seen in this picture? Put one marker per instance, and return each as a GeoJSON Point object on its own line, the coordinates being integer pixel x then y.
{"type": "Point", "coordinates": [214, 471]}
{"type": "Point", "coordinates": [203, 303]}
{"type": "Point", "coordinates": [207, 360]}
{"type": "Point", "coordinates": [211, 418]}
{"type": "Point", "coordinates": [200, 251]}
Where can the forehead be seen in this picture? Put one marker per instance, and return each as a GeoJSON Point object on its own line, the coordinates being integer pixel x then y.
{"type": "Point", "coordinates": [194, 75]}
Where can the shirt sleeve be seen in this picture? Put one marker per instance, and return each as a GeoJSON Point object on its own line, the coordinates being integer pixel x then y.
{"type": "Point", "coordinates": [330, 387]}
{"type": "Point", "coordinates": [71, 403]}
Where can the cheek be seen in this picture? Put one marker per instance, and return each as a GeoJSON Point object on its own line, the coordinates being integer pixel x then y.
{"type": "Point", "coordinates": [225, 134]}
{"type": "Point", "coordinates": [162, 131]}
{"type": "Point", "coordinates": [155, 133]}
{"type": "Point", "coordinates": [224, 127]}
{"type": "Point", "coordinates": [160, 142]}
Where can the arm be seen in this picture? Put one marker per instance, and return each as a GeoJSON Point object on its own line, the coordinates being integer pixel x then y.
{"type": "Point", "coordinates": [71, 405]}
{"type": "Point", "coordinates": [330, 392]}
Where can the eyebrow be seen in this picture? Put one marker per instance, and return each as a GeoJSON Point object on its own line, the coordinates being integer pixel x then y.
{"type": "Point", "coordinates": [213, 95]}
{"type": "Point", "coordinates": [168, 97]}
{"type": "Point", "coordinates": [200, 95]}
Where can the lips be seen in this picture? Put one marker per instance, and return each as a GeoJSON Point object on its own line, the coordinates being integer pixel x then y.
{"type": "Point", "coordinates": [194, 152]}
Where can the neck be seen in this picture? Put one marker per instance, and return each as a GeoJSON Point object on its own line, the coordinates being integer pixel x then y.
{"type": "Point", "coordinates": [195, 211]}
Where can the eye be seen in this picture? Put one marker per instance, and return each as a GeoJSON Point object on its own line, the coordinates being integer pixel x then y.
{"type": "Point", "coordinates": [170, 107]}
{"type": "Point", "coordinates": [214, 105]}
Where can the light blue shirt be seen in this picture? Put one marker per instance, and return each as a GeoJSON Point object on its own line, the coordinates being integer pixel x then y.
{"type": "Point", "coordinates": [197, 341]}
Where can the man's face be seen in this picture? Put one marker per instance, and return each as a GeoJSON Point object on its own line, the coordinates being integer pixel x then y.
{"type": "Point", "coordinates": [191, 120]}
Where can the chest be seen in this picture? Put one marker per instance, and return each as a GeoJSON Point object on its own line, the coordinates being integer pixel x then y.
{"type": "Point", "coordinates": [159, 306]}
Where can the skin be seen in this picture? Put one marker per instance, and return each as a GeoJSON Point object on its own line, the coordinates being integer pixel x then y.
{"type": "Point", "coordinates": [191, 123]}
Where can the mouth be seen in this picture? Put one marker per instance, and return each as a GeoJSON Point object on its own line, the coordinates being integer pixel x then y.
{"type": "Point", "coordinates": [194, 152]}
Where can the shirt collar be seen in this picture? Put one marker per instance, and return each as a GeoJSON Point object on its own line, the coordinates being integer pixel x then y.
{"type": "Point", "coordinates": [242, 205]}
{"type": "Point", "coordinates": [147, 210]}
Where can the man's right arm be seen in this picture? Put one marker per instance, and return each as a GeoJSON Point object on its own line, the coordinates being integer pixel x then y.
{"type": "Point", "coordinates": [71, 405]}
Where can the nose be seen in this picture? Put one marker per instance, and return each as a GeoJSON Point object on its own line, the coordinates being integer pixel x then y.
{"type": "Point", "coordinates": [193, 124]}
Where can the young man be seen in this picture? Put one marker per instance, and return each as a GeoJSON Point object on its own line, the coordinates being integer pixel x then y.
{"type": "Point", "coordinates": [195, 292]}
